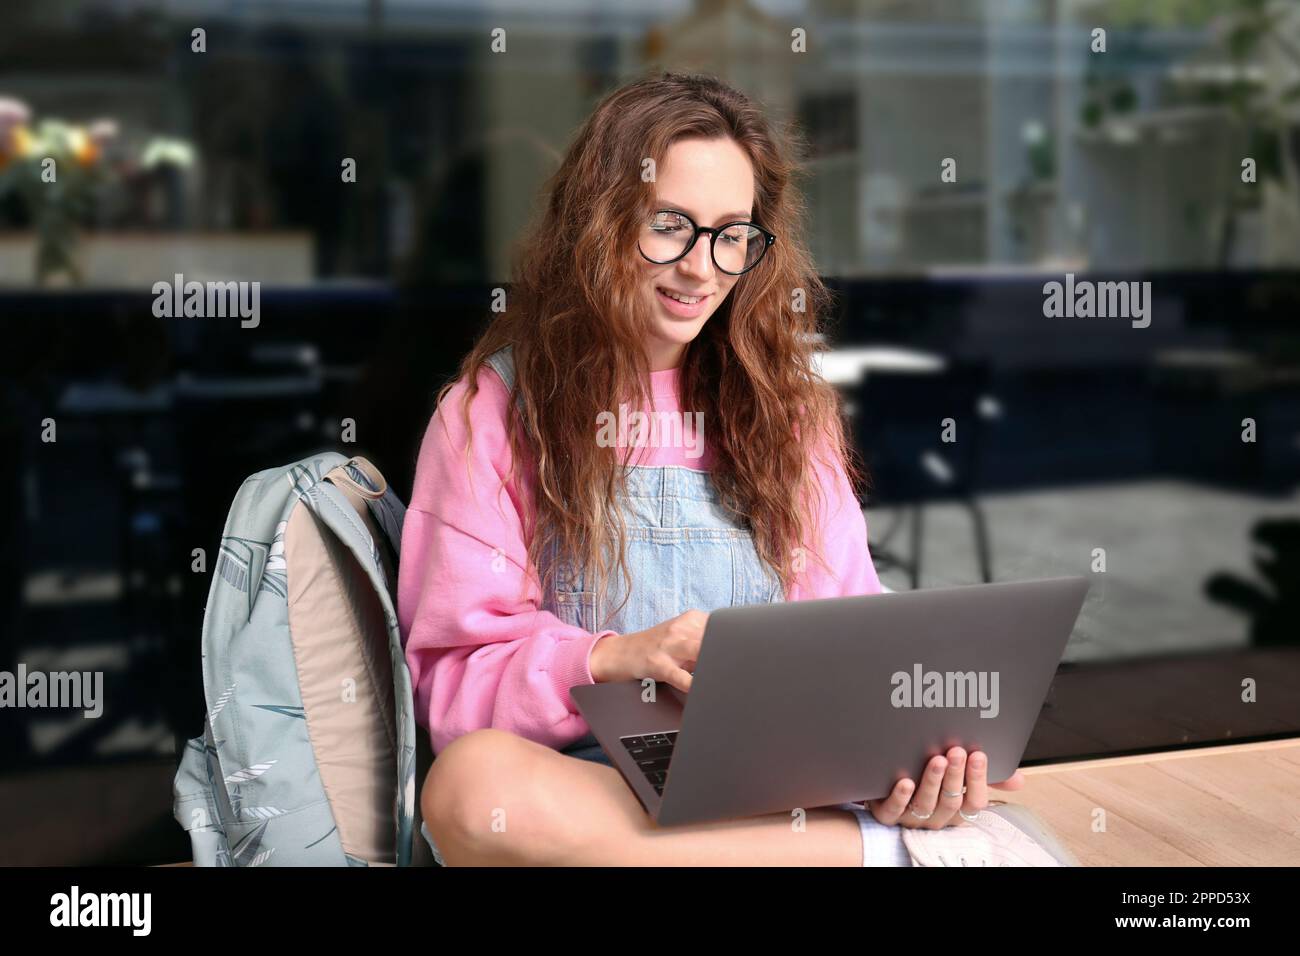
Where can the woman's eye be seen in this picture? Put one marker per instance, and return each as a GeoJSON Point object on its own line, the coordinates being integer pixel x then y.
{"type": "Point", "coordinates": [665, 222]}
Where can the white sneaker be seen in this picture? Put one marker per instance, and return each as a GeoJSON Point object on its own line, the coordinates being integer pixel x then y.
{"type": "Point", "coordinates": [1001, 835]}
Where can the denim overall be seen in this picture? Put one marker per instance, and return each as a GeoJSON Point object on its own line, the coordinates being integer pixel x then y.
{"type": "Point", "coordinates": [683, 552]}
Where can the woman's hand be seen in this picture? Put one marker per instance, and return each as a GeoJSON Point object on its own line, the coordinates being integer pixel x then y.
{"type": "Point", "coordinates": [940, 795]}
{"type": "Point", "coordinates": [666, 652]}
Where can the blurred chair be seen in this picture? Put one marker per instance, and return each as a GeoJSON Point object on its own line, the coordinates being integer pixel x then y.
{"type": "Point", "coordinates": [140, 499]}
{"type": "Point", "coordinates": [898, 414]}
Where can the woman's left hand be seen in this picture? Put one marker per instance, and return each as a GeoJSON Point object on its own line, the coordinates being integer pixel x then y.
{"type": "Point", "coordinates": [937, 802]}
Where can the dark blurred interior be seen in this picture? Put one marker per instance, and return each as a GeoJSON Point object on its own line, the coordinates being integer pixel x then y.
{"type": "Point", "coordinates": [1087, 445]}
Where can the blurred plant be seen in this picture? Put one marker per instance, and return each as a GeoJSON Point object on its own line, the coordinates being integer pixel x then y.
{"type": "Point", "coordinates": [1257, 43]}
{"type": "Point", "coordinates": [59, 195]}
{"type": "Point", "coordinates": [1106, 86]}
{"type": "Point", "coordinates": [1274, 605]}
{"type": "Point", "coordinates": [1252, 35]}
{"type": "Point", "coordinates": [1040, 151]}
{"type": "Point", "coordinates": [14, 138]}
{"type": "Point", "coordinates": [1159, 13]}
{"type": "Point", "coordinates": [1026, 201]}
{"type": "Point", "coordinates": [162, 151]}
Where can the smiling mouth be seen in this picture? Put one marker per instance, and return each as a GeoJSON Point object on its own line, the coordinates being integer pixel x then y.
{"type": "Point", "coordinates": [682, 298]}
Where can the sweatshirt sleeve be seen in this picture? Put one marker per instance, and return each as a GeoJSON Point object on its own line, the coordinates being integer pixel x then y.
{"type": "Point", "coordinates": [481, 651]}
{"type": "Point", "coordinates": [843, 539]}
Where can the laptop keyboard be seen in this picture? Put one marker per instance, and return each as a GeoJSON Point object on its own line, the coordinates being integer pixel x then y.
{"type": "Point", "coordinates": [652, 753]}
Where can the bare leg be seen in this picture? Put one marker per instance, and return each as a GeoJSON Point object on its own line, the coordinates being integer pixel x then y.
{"type": "Point", "coordinates": [494, 798]}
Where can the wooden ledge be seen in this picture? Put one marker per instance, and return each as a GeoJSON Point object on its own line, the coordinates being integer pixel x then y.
{"type": "Point", "coordinates": [1231, 805]}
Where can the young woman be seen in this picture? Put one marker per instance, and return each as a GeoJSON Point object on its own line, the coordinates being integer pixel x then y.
{"type": "Point", "coordinates": [550, 543]}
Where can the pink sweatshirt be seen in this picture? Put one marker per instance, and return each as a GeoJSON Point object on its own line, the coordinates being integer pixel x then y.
{"type": "Point", "coordinates": [481, 651]}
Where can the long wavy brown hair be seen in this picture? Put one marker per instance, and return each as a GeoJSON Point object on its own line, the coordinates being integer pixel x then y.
{"type": "Point", "coordinates": [577, 321]}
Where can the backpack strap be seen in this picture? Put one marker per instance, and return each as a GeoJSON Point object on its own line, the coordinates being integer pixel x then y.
{"type": "Point", "coordinates": [387, 510]}
{"type": "Point", "coordinates": [332, 506]}
{"type": "Point", "coordinates": [503, 363]}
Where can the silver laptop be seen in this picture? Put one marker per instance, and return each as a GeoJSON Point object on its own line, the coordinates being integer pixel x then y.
{"type": "Point", "coordinates": [811, 703]}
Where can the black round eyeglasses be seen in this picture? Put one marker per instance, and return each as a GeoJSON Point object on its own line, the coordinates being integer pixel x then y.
{"type": "Point", "coordinates": [736, 247]}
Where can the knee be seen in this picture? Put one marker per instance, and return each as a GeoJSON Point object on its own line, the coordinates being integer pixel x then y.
{"type": "Point", "coordinates": [477, 799]}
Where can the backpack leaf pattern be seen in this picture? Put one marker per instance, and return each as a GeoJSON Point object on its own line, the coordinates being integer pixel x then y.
{"type": "Point", "coordinates": [250, 773]}
{"type": "Point", "coordinates": [222, 701]}
{"type": "Point", "coordinates": [286, 710]}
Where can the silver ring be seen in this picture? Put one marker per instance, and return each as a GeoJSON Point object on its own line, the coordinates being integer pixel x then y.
{"type": "Point", "coordinates": [919, 816]}
{"type": "Point", "coordinates": [953, 793]}
{"type": "Point", "coordinates": [969, 817]}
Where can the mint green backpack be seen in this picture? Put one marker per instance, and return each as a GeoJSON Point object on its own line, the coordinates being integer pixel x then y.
{"type": "Point", "coordinates": [307, 756]}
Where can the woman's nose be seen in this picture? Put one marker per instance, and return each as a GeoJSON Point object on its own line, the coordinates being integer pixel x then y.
{"type": "Point", "coordinates": [699, 261]}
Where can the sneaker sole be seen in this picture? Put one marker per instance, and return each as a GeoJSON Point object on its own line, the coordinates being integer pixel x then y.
{"type": "Point", "coordinates": [1027, 820]}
